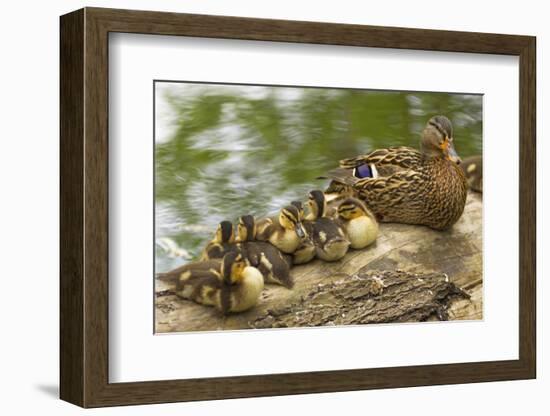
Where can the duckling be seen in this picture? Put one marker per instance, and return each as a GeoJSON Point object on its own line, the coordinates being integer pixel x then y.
{"type": "Point", "coordinates": [358, 222]}
{"type": "Point", "coordinates": [222, 243]}
{"type": "Point", "coordinates": [327, 235]}
{"type": "Point", "coordinates": [473, 170]}
{"type": "Point", "coordinates": [284, 232]}
{"type": "Point", "coordinates": [228, 284]}
{"type": "Point", "coordinates": [306, 250]}
{"type": "Point", "coordinates": [268, 259]}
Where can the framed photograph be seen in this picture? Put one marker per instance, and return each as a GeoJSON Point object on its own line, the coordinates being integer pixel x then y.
{"type": "Point", "coordinates": [255, 207]}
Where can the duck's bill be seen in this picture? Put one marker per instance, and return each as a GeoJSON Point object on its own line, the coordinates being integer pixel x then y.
{"type": "Point", "coordinates": [300, 230]}
{"type": "Point", "coordinates": [452, 155]}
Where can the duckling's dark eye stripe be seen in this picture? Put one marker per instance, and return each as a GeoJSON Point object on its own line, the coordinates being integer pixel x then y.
{"type": "Point", "coordinates": [346, 206]}
{"type": "Point", "coordinates": [346, 209]}
{"type": "Point", "coordinates": [288, 217]}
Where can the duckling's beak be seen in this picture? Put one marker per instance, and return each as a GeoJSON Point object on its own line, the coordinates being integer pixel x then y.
{"type": "Point", "coordinates": [300, 230]}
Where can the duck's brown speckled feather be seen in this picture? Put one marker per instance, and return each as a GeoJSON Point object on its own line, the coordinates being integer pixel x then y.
{"type": "Point", "coordinates": [410, 188]}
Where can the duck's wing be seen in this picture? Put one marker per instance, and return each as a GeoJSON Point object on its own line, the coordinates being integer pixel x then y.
{"type": "Point", "coordinates": [343, 176]}
{"type": "Point", "coordinates": [264, 228]}
{"type": "Point", "coordinates": [386, 161]}
{"type": "Point", "coordinates": [198, 266]}
{"type": "Point", "coordinates": [271, 262]}
{"type": "Point", "coordinates": [325, 230]}
{"type": "Point", "coordinates": [390, 190]}
{"type": "Point", "coordinates": [377, 164]}
{"type": "Point", "coordinates": [202, 288]}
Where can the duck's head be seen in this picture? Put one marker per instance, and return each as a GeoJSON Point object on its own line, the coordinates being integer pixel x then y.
{"type": "Point", "coordinates": [224, 233]}
{"type": "Point", "coordinates": [233, 264]}
{"type": "Point", "coordinates": [317, 204]}
{"type": "Point", "coordinates": [437, 139]}
{"type": "Point", "coordinates": [289, 218]}
{"type": "Point", "coordinates": [246, 229]}
{"type": "Point", "coordinates": [352, 208]}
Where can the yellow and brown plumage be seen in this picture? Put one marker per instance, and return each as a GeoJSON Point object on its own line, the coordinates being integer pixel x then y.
{"type": "Point", "coordinates": [402, 184]}
{"type": "Point", "coordinates": [222, 243]}
{"type": "Point", "coordinates": [284, 231]}
{"type": "Point", "coordinates": [306, 250]}
{"type": "Point", "coordinates": [228, 284]}
{"type": "Point", "coordinates": [358, 222]}
{"type": "Point", "coordinates": [327, 235]}
{"type": "Point", "coordinates": [272, 263]}
{"type": "Point", "coordinates": [473, 169]}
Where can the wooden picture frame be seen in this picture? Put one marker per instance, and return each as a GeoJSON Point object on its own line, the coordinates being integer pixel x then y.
{"type": "Point", "coordinates": [84, 207]}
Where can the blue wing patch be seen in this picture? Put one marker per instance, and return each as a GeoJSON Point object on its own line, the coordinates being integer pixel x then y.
{"type": "Point", "coordinates": [363, 171]}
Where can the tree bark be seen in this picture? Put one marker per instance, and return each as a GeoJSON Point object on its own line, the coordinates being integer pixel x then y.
{"type": "Point", "coordinates": [367, 298]}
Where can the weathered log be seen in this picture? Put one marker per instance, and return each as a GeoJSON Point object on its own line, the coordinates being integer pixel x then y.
{"type": "Point", "coordinates": [400, 248]}
{"type": "Point", "coordinates": [366, 298]}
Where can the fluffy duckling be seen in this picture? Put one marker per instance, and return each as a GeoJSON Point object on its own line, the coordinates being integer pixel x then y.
{"type": "Point", "coordinates": [284, 232]}
{"type": "Point", "coordinates": [327, 235]}
{"type": "Point", "coordinates": [306, 250]}
{"type": "Point", "coordinates": [228, 284]}
{"type": "Point", "coordinates": [473, 170]}
{"type": "Point", "coordinates": [358, 222]}
{"type": "Point", "coordinates": [222, 243]}
{"type": "Point", "coordinates": [268, 259]}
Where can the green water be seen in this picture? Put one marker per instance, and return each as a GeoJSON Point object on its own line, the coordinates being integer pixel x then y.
{"type": "Point", "coordinates": [227, 151]}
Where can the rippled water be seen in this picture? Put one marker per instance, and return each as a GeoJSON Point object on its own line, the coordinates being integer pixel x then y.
{"type": "Point", "coordinates": [222, 151]}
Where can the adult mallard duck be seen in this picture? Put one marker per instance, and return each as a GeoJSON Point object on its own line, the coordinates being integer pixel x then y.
{"type": "Point", "coordinates": [402, 184]}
